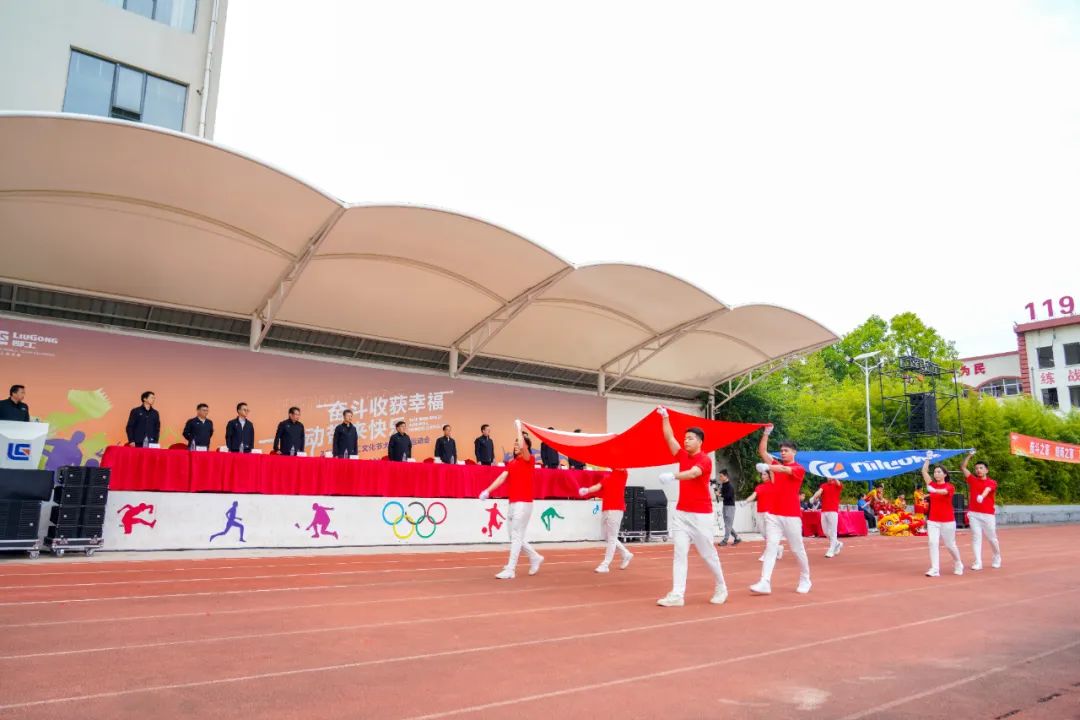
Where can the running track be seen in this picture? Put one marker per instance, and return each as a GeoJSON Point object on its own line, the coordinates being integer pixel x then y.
{"type": "Point", "coordinates": [435, 636]}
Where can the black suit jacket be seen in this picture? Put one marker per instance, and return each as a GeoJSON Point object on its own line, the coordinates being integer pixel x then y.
{"type": "Point", "coordinates": [446, 449]}
{"type": "Point", "coordinates": [549, 456]}
{"type": "Point", "coordinates": [233, 435]}
{"type": "Point", "coordinates": [142, 425]}
{"type": "Point", "coordinates": [345, 441]}
{"type": "Point", "coordinates": [484, 448]}
{"type": "Point", "coordinates": [199, 433]}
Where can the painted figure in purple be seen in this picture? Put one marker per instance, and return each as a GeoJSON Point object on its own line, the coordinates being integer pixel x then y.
{"type": "Point", "coordinates": [233, 522]}
{"type": "Point", "coordinates": [494, 518]}
{"type": "Point", "coordinates": [321, 521]}
{"type": "Point", "coordinates": [60, 452]}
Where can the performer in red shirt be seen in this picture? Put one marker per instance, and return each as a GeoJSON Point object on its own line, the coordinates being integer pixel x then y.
{"type": "Point", "coordinates": [785, 515]}
{"type": "Point", "coordinates": [519, 472]}
{"type": "Point", "coordinates": [981, 491]}
{"type": "Point", "coordinates": [614, 504]}
{"type": "Point", "coordinates": [941, 525]}
{"type": "Point", "coordinates": [692, 521]}
{"type": "Point", "coordinates": [763, 495]}
{"type": "Point", "coordinates": [829, 492]}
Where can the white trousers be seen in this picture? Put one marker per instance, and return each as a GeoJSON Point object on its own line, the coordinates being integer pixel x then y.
{"type": "Point", "coordinates": [763, 527]}
{"type": "Point", "coordinates": [945, 532]}
{"type": "Point", "coordinates": [611, 521]}
{"type": "Point", "coordinates": [520, 512]}
{"type": "Point", "coordinates": [781, 526]}
{"type": "Point", "coordinates": [696, 528]}
{"type": "Point", "coordinates": [829, 523]}
{"type": "Point", "coordinates": [983, 524]}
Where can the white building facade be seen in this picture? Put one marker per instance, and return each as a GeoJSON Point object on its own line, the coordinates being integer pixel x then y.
{"type": "Point", "coordinates": [997, 375]}
{"type": "Point", "coordinates": [149, 61]}
{"type": "Point", "coordinates": [1050, 361]}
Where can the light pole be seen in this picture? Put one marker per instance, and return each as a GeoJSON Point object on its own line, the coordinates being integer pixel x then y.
{"type": "Point", "coordinates": [863, 361]}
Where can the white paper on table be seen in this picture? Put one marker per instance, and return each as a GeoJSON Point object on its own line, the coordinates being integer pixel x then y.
{"type": "Point", "coordinates": [200, 448]}
{"type": "Point", "coordinates": [354, 457]}
{"type": "Point", "coordinates": [303, 454]}
{"type": "Point", "coordinates": [438, 461]}
{"type": "Point", "coordinates": [460, 462]}
{"type": "Point", "coordinates": [156, 446]}
{"type": "Point", "coordinates": [223, 448]}
{"type": "Point", "coordinates": [256, 452]}
{"type": "Point", "coordinates": [412, 459]}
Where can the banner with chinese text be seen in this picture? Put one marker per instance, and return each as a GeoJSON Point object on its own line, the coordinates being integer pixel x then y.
{"type": "Point", "coordinates": [83, 382]}
{"type": "Point", "coordinates": [1042, 449]}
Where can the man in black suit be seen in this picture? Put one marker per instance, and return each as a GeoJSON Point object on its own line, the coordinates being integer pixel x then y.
{"type": "Point", "coordinates": [446, 447]}
{"type": "Point", "coordinates": [400, 446]}
{"type": "Point", "coordinates": [484, 446]}
{"type": "Point", "coordinates": [574, 464]}
{"type": "Point", "coordinates": [345, 440]}
{"type": "Point", "coordinates": [240, 432]}
{"type": "Point", "coordinates": [14, 409]}
{"type": "Point", "coordinates": [144, 423]}
{"type": "Point", "coordinates": [199, 429]}
{"type": "Point", "coordinates": [549, 456]}
{"type": "Point", "coordinates": [289, 438]}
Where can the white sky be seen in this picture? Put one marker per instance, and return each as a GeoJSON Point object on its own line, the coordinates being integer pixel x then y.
{"type": "Point", "coordinates": [837, 158]}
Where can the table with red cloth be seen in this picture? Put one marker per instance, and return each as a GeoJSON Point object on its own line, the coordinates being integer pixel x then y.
{"type": "Point", "coordinates": [848, 522]}
{"type": "Point", "coordinates": [184, 471]}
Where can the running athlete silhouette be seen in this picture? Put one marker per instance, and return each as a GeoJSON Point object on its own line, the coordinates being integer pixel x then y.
{"type": "Point", "coordinates": [233, 522]}
{"type": "Point", "coordinates": [130, 520]}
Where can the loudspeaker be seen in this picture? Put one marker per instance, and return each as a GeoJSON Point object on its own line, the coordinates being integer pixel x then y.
{"type": "Point", "coordinates": [655, 498]}
{"type": "Point", "coordinates": [922, 413]}
{"type": "Point", "coordinates": [69, 495]}
{"type": "Point", "coordinates": [64, 530]}
{"type": "Point", "coordinates": [92, 518]}
{"type": "Point", "coordinates": [66, 515]}
{"type": "Point", "coordinates": [19, 519]}
{"type": "Point", "coordinates": [98, 477]}
{"type": "Point", "coordinates": [71, 476]}
{"type": "Point", "coordinates": [96, 496]}
{"type": "Point", "coordinates": [658, 519]}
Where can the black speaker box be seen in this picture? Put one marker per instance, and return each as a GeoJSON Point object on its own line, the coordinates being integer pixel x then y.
{"type": "Point", "coordinates": [658, 519]}
{"type": "Point", "coordinates": [655, 498]}
{"type": "Point", "coordinates": [93, 517]}
{"type": "Point", "coordinates": [69, 494]}
{"type": "Point", "coordinates": [922, 413]}
{"type": "Point", "coordinates": [98, 477]}
{"type": "Point", "coordinates": [71, 476]}
{"type": "Point", "coordinates": [19, 519]}
{"type": "Point", "coordinates": [96, 496]}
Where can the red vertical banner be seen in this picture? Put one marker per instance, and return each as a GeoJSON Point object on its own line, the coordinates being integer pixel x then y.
{"type": "Point", "coordinates": [1042, 449]}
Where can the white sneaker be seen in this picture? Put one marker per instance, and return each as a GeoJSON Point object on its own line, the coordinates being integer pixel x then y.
{"type": "Point", "coordinates": [534, 566]}
{"type": "Point", "coordinates": [601, 568]}
{"type": "Point", "coordinates": [626, 561]}
{"type": "Point", "coordinates": [719, 595]}
{"type": "Point", "coordinates": [761, 587]}
{"type": "Point", "coordinates": [804, 586]}
{"type": "Point", "coordinates": [976, 566]}
{"type": "Point", "coordinates": [933, 572]}
{"type": "Point", "coordinates": [839, 547]}
{"type": "Point", "coordinates": [506, 574]}
{"type": "Point", "coordinates": [830, 553]}
{"type": "Point", "coordinates": [958, 569]}
{"type": "Point", "coordinates": [996, 563]}
{"type": "Point", "coordinates": [670, 600]}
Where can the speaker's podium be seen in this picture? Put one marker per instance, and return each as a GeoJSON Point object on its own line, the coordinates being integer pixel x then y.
{"type": "Point", "coordinates": [22, 486]}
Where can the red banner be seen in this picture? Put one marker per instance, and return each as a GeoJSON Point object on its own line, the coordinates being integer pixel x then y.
{"type": "Point", "coordinates": [1033, 447]}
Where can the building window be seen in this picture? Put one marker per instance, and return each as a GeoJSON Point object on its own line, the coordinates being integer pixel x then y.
{"type": "Point", "coordinates": [1050, 397]}
{"type": "Point", "coordinates": [179, 14]}
{"type": "Point", "coordinates": [99, 87]}
{"type": "Point", "coordinates": [1072, 353]}
{"type": "Point", "coordinates": [1002, 387]}
{"type": "Point", "coordinates": [1046, 356]}
{"type": "Point", "coordinates": [1074, 396]}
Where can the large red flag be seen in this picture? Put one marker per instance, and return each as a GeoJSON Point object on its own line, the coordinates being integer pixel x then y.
{"type": "Point", "coordinates": [643, 444]}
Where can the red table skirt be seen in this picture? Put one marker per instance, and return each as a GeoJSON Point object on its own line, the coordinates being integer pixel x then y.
{"type": "Point", "coordinates": [848, 522]}
{"type": "Point", "coordinates": [183, 471]}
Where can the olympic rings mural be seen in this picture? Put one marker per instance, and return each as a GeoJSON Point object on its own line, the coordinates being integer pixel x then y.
{"type": "Point", "coordinates": [416, 517]}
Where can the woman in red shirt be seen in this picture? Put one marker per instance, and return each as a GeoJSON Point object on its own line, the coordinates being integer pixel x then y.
{"type": "Point", "coordinates": [519, 472]}
{"type": "Point", "coordinates": [763, 495]}
{"type": "Point", "coordinates": [614, 505]}
{"type": "Point", "coordinates": [941, 525]}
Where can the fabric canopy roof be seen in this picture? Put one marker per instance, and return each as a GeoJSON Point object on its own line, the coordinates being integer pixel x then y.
{"type": "Point", "coordinates": [132, 212]}
{"type": "Point", "coordinates": [643, 444]}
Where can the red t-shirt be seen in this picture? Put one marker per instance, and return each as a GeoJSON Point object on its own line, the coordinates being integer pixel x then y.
{"type": "Point", "coordinates": [785, 500]}
{"type": "Point", "coordinates": [764, 492]}
{"type": "Point", "coordinates": [830, 496]}
{"type": "Point", "coordinates": [694, 494]}
{"type": "Point", "coordinates": [520, 478]}
{"type": "Point", "coordinates": [975, 488]}
{"type": "Point", "coordinates": [613, 490]}
{"type": "Point", "coordinates": [941, 508]}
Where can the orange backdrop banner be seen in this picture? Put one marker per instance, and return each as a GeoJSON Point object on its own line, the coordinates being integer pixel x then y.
{"type": "Point", "coordinates": [1033, 447]}
{"type": "Point", "coordinates": [84, 382]}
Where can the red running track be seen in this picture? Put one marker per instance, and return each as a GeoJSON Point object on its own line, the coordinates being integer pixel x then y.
{"type": "Point", "coordinates": [435, 636]}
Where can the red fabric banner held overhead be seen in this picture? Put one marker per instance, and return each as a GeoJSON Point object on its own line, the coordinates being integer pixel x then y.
{"type": "Point", "coordinates": [643, 444]}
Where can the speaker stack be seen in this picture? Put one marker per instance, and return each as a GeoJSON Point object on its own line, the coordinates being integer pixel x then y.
{"type": "Point", "coordinates": [922, 414]}
{"type": "Point", "coordinates": [960, 510]}
{"type": "Point", "coordinates": [79, 515]}
{"type": "Point", "coordinates": [19, 520]}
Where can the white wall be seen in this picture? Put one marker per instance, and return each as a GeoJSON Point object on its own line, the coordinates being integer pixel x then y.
{"type": "Point", "coordinates": [36, 38]}
{"type": "Point", "coordinates": [187, 520]}
{"type": "Point", "coordinates": [994, 366]}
